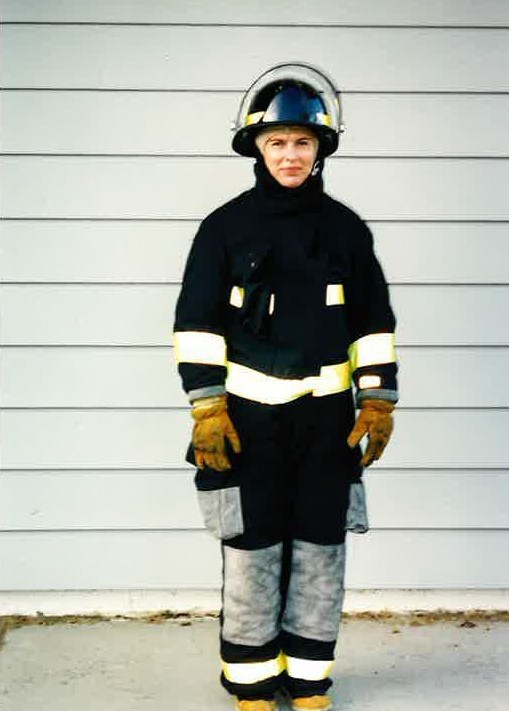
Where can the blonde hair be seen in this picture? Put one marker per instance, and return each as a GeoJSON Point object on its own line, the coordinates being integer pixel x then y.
{"type": "Point", "coordinates": [262, 136]}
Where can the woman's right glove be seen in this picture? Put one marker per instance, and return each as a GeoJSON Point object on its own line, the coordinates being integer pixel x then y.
{"type": "Point", "coordinates": [211, 428]}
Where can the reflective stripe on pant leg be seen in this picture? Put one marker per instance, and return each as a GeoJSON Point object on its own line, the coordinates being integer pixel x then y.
{"type": "Point", "coordinates": [253, 672]}
{"type": "Point", "coordinates": [315, 594]}
{"type": "Point", "coordinates": [251, 595]}
{"type": "Point", "coordinates": [308, 669]}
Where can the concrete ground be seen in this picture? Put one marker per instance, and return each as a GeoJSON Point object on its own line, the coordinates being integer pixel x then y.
{"type": "Point", "coordinates": [171, 665]}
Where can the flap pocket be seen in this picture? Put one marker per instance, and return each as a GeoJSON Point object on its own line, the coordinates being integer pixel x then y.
{"type": "Point", "coordinates": [222, 512]}
{"type": "Point", "coordinates": [357, 514]}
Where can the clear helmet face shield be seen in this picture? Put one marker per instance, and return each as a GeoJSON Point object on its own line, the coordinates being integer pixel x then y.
{"type": "Point", "coordinates": [286, 95]}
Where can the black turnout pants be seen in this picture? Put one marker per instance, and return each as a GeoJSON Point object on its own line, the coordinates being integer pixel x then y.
{"type": "Point", "coordinates": [280, 512]}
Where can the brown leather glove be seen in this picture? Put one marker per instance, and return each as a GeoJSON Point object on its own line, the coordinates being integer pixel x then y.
{"type": "Point", "coordinates": [375, 420]}
{"type": "Point", "coordinates": [212, 425]}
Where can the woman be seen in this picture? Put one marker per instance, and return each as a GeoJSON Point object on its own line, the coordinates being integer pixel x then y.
{"type": "Point", "coordinates": [283, 305]}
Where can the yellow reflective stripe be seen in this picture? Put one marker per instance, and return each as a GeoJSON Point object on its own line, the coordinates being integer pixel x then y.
{"type": "Point", "coordinates": [252, 672]}
{"type": "Point", "coordinates": [254, 385]}
{"type": "Point", "coordinates": [199, 347]}
{"type": "Point", "coordinates": [308, 669]}
{"type": "Point", "coordinates": [335, 295]}
{"type": "Point", "coordinates": [332, 379]}
{"type": "Point", "coordinates": [324, 119]}
{"type": "Point", "coordinates": [237, 296]}
{"type": "Point", "coordinates": [375, 349]}
{"type": "Point", "coordinates": [272, 303]}
{"type": "Point", "coordinates": [254, 118]}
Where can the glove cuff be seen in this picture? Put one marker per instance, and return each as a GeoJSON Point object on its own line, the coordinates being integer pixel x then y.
{"type": "Point", "coordinates": [208, 407]}
{"type": "Point", "coordinates": [377, 405]}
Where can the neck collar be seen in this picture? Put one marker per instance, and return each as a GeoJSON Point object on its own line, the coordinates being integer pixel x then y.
{"type": "Point", "coordinates": [275, 198]}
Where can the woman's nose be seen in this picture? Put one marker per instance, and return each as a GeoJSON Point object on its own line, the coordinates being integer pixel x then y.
{"type": "Point", "coordinates": [291, 152]}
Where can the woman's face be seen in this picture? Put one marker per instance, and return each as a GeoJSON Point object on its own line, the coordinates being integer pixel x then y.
{"type": "Point", "coordinates": [289, 153]}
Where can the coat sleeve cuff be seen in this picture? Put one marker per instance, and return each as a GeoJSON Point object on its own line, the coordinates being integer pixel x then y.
{"type": "Point", "coordinates": [376, 394]}
{"type": "Point", "coordinates": [209, 391]}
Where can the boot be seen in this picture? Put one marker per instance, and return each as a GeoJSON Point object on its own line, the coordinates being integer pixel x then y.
{"type": "Point", "coordinates": [312, 703]}
{"type": "Point", "coordinates": [256, 705]}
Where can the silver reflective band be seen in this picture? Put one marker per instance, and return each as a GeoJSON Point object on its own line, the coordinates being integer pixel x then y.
{"type": "Point", "coordinates": [255, 385]}
{"type": "Point", "coordinates": [199, 347]}
{"type": "Point", "coordinates": [374, 349]}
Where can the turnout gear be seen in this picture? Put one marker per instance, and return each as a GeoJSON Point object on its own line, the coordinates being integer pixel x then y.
{"type": "Point", "coordinates": [289, 95]}
{"type": "Point", "coordinates": [211, 430]}
{"type": "Point", "coordinates": [375, 420]}
{"type": "Point", "coordinates": [283, 308]}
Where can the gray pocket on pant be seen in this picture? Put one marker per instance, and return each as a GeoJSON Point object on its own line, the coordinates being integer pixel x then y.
{"type": "Point", "coordinates": [222, 512]}
{"type": "Point", "coordinates": [357, 514]}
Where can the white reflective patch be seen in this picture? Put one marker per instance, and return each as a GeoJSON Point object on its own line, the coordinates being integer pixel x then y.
{"type": "Point", "coordinates": [199, 347]}
{"type": "Point", "coordinates": [271, 304]}
{"type": "Point", "coordinates": [370, 381]}
{"type": "Point", "coordinates": [237, 296]}
{"type": "Point", "coordinates": [308, 669]}
{"type": "Point", "coordinates": [335, 295]}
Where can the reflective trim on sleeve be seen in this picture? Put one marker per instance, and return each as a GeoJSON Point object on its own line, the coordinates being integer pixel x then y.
{"type": "Point", "coordinates": [255, 385]}
{"type": "Point", "coordinates": [200, 347]}
{"type": "Point", "coordinates": [375, 349]}
{"type": "Point", "coordinates": [252, 672]}
{"type": "Point", "coordinates": [308, 669]}
{"type": "Point", "coordinates": [370, 381]}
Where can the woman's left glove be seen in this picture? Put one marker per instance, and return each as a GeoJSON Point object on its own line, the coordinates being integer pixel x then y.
{"type": "Point", "coordinates": [211, 428]}
{"type": "Point", "coordinates": [375, 420]}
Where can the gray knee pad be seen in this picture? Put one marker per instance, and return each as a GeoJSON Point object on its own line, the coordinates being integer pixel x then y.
{"type": "Point", "coordinates": [251, 595]}
{"type": "Point", "coordinates": [315, 595]}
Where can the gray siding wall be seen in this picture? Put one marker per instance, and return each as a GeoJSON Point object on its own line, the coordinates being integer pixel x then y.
{"type": "Point", "coordinates": [115, 144]}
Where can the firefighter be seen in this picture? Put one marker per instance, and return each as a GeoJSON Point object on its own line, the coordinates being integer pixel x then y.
{"type": "Point", "coordinates": [283, 327]}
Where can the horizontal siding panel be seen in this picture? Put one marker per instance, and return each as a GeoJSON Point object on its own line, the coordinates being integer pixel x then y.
{"type": "Point", "coordinates": [146, 377]}
{"type": "Point", "coordinates": [113, 439]}
{"type": "Point", "coordinates": [130, 251]}
{"type": "Point", "coordinates": [93, 187]}
{"type": "Point", "coordinates": [143, 315]}
{"type": "Point", "coordinates": [148, 560]}
{"type": "Point", "coordinates": [391, 12]}
{"type": "Point", "coordinates": [369, 59]}
{"type": "Point", "coordinates": [136, 251]}
{"type": "Point", "coordinates": [172, 123]}
{"type": "Point", "coordinates": [151, 500]}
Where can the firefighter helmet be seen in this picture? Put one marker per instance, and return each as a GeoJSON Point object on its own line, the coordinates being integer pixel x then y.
{"type": "Point", "coordinates": [289, 95]}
